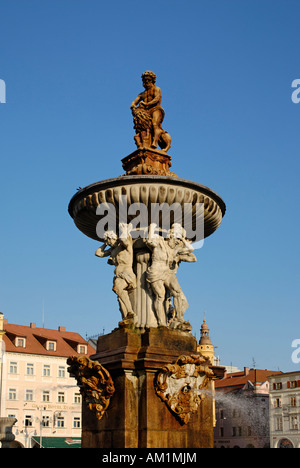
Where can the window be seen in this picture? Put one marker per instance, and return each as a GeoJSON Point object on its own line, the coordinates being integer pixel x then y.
{"type": "Point", "coordinates": [46, 370]}
{"type": "Point", "coordinates": [277, 403]}
{"type": "Point", "coordinates": [76, 422]}
{"type": "Point", "coordinates": [293, 402]}
{"type": "Point", "coordinates": [234, 432]}
{"type": "Point", "coordinates": [60, 421]}
{"type": "Point", "coordinates": [294, 423]}
{"type": "Point", "coordinates": [81, 349]}
{"type": "Point", "coordinates": [77, 398]}
{"type": "Point", "coordinates": [13, 368]}
{"type": "Point", "coordinates": [61, 371]}
{"type": "Point", "coordinates": [294, 384]}
{"type": "Point", "coordinates": [12, 394]}
{"type": "Point", "coordinates": [46, 421]}
{"type": "Point", "coordinates": [28, 395]}
{"type": "Point", "coordinates": [20, 342]}
{"type": "Point", "coordinates": [278, 423]}
{"type": "Point", "coordinates": [46, 396]}
{"type": "Point", "coordinates": [29, 369]}
{"type": "Point", "coordinates": [28, 420]}
{"type": "Point", "coordinates": [61, 397]}
{"type": "Point", "coordinates": [277, 386]}
{"type": "Point", "coordinates": [51, 346]}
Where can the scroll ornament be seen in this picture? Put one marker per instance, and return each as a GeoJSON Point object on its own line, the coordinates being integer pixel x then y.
{"type": "Point", "coordinates": [182, 385]}
{"type": "Point", "coordinates": [95, 383]}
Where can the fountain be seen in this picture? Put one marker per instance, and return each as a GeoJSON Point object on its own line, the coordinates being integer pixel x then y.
{"type": "Point", "coordinates": [146, 376]}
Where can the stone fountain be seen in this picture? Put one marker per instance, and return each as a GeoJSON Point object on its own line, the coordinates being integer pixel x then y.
{"type": "Point", "coordinates": [146, 376]}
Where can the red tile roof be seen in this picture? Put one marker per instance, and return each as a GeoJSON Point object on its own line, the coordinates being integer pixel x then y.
{"type": "Point", "coordinates": [66, 342]}
{"type": "Point", "coordinates": [237, 380]}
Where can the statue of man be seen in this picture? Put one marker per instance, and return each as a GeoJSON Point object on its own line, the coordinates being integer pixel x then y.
{"type": "Point", "coordinates": [120, 253]}
{"type": "Point", "coordinates": [166, 256]}
{"type": "Point", "coordinates": [182, 252]}
{"type": "Point", "coordinates": [150, 100]}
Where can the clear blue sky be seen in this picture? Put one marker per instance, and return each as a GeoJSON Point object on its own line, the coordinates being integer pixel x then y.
{"type": "Point", "coordinates": [72, 68]}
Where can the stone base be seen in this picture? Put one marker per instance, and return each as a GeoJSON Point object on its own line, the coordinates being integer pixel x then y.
{"type": "Point", "coordinates": [136, 416]}
{"type": "Point", "coordinates": [145, 161]}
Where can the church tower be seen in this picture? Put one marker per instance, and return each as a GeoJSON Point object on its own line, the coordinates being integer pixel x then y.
{"type": "Point", "coordinates": [205, 346]}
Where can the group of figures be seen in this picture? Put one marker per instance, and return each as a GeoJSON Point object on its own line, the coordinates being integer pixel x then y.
{"type": "Point", "coordinates": [168, 301]}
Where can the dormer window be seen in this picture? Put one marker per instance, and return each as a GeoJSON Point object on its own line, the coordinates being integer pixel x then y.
{"type": "Point", "coordinates": [81, 349]}
{"type": "Point", "coordinates": [20, 342]}
{"type": "Point", "coordinates": [51, 345]}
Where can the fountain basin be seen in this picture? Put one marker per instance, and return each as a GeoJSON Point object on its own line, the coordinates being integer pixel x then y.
{"type": "Point", "coordinates": [146, 189]}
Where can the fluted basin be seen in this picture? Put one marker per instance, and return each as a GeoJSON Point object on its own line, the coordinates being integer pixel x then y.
{"type": "Point", "coordinates": [148, 190]}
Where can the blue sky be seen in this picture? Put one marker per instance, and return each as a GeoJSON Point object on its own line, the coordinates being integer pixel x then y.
{"type": "Point", "coordinates": [72, 69]}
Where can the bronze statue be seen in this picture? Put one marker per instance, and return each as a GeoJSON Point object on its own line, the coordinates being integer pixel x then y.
{"type": "Point", "coordinates": [148, 116]}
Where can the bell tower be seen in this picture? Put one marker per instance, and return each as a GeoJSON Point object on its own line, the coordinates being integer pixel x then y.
{"type": "Point", "coordinates": [205, 347]}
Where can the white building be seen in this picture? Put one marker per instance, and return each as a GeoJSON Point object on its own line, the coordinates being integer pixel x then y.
{"type": "Point", "coordinates": [285, 410]}
{"type": "Point", "coordinates": [242, 409]}
{"type": "Point", "coordinates": [35, 386]}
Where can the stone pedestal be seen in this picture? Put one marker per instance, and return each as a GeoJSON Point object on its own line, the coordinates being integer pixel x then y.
{"type": "Point", "coordinates": [136, 416]}
{"type": "Point", "coordinates": [148, 161]}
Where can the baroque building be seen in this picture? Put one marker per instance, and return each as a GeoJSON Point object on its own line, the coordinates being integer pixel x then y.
{"type": "Point", "coordinates": [285, 410]}
{"type": "Point", "coordinates": [35, 386]}
{"type": "Point", "coordinates": [242, 409]}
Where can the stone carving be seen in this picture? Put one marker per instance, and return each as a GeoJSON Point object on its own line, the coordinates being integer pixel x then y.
{"type": "Point", "coordinates": [167, 253]}
{"type": "Point", "coordinates": [147, 190]}
{"type": "Point", "coordinates": [146, 161]}
{"type": "Point", "coordinates": [7, 437]}
{"type": "Point", "coordinates": [120, 253]}
{"type": "Point", "coordinates": [145, 280]}
{"type": "Point", "coordinates": [95, 383]}
{"type": "Point", "coordinates": [181, 386]}
{"type": "Point", "coordinates": [148, 116]}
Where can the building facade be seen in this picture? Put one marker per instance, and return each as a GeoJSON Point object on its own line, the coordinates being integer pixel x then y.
{"type": "Point", "coordinates": [36, 387]}
{"type": "Point", "coordinates": [285, 410]}
{"type": "Point", "coordinates": [242, 409]}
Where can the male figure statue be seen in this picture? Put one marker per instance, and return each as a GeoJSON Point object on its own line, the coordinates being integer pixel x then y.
{"type": "Point", "coordinates": [166, 256]}
{"type": "Point", "coordinates": [150, 100]}
{"type": "Point", "coordinates": [120, 254]}
{"type": "Point", "coordinates": [182, 251]}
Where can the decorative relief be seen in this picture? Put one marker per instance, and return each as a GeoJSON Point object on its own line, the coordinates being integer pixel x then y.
{"type": "Point", "coordinates": [146, 161]}
{"type": "Point", "coordinates": [181, 386]}
{"type": "Point", "coordinates": [95, 383]}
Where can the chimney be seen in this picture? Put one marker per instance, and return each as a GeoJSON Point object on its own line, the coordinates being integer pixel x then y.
{"type": "Point", "coordinates": [1, 321]}
{"type": "Point", "coordinates": [62, 329]}
{"type": "Point", "coordinates": [246, 370]}
{"type": "Point", "coordinates": [32, 325]}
